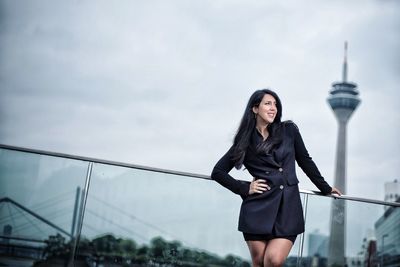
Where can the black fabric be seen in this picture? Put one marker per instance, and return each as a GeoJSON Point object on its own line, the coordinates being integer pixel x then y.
{"type": "Point", "coordinates": [279, 208]}
{"type": "Point", "coordinates": [266, 237]}
{"type": "Point", "coordinates": [220, 174]}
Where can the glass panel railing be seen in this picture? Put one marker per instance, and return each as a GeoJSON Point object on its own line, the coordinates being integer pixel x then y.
{"type": "Point", "coordinates": [342, 232]}
{"type": "Point", "coordinates": [148, 218]}
{"type": "Point", "coordinates": [140, 216]}
{"type": "Point", "coordinates": [39, 196]}
{"type": "Point", "coordinates": [297, 250]}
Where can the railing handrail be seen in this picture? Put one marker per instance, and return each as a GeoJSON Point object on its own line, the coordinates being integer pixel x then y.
{"type": "Point", "coordinates": [173, 172]}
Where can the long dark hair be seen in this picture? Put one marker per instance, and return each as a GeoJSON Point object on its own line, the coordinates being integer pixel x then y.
{"type": "Point", "coordinates": [248, 123]}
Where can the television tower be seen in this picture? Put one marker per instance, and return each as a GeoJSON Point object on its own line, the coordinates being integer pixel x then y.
{"type": "Point", "coordinates": [343, 99]}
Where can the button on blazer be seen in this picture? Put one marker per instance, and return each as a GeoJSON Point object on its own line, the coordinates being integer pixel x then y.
{"type": "Point", "coordinates": [277, 211]}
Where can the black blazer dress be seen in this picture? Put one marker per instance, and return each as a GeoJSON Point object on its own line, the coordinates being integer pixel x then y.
{"type": "Point", "coordinates": [277, 211]}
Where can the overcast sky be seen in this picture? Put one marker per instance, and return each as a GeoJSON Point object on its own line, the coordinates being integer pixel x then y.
{"type": "Point", "coordinates": [164, 83]}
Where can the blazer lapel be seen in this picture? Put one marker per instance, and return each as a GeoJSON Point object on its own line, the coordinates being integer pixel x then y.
{"type": "Point", "coordinates": [270, 159]}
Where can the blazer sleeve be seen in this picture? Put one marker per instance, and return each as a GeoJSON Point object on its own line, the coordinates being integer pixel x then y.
{"type": "Point", "coordinates": [220, 173]}
{"type": "Point", "coordinates": [307, 164]}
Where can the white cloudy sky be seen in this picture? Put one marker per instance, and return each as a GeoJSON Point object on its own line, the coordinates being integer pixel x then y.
{"type": "Point", "coordinates": [164, 83]}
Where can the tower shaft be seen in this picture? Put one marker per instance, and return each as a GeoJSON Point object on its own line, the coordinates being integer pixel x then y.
{"type": "Point", "coordinates": [337, 244]}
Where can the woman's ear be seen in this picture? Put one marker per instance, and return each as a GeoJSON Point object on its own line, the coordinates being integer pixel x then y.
{"type": "Point", "coordinates": [255, 109]}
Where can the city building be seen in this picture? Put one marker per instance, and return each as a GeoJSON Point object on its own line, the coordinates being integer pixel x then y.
{"type": "Point", "coordinates": [387, 232]}
{"type": "Point", "coordinates": [317, 244]}
{"type": "Point", "coordinates": [392, 191]}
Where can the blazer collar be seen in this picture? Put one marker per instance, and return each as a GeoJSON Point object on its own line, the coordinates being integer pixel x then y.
{"type": "Point", "coordinates": [270, 159]}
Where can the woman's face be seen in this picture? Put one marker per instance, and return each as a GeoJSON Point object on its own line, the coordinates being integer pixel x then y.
{"type": "Point", "coordinates": [267, 109]}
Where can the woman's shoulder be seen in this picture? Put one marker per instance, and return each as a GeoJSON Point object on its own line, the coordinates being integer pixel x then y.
{"type": "Point", "coordinates": [290, 128]}
{"type": "Point", "coordinates": [289, 124]}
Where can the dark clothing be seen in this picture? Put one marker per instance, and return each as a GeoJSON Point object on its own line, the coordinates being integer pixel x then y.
{"type": "Point", "coordinates": [266, 237]}
{"type": "Point", "coordinates": [277, 211]}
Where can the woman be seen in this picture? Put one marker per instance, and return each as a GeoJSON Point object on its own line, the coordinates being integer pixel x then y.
{"type": "Point", "coordinates": [271, 214]}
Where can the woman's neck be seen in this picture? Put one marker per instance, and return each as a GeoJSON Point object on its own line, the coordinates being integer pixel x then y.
{"type": "Point", "coordinates": [262, 129]}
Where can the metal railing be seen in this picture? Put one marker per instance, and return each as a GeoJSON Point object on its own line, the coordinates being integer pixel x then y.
{"type": "Point", "coordinates": [180, 173]}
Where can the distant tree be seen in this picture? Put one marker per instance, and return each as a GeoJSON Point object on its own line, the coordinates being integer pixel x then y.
{"type": "Point", "coordinates": [85, 246]}
{"type": "Point", "coordinates": [188, 254]}
{"type": "Point", "coordinates": [143, 251]}
{"type": "Point", "coordinates": [105, 244]}
{"type": "Point", "coordinates": [174, 252]}
{"type": "Point", "coordinates": [128, 247]}
{"type": "Point", "coordinates": [56, 246]}
{"type": "Point", "coordinates": [141, 254]}
{"type": "Point", "coordinates": [158, 246]}
{"type": "Point", "coordinates": [232, 260]}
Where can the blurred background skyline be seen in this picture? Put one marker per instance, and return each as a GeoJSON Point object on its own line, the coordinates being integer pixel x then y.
{"type": "Point", "coordinates": [164, 84]}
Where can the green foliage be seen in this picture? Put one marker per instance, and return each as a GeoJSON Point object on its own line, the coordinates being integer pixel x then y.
{"type": "Point", "coordinates": [56, 247]}
{"type": "Point", "coordinates": [109, 245]}
{"type": "Point", "coordinates": [125, 252]}
{"type": "Point", "coordinates": [232, 260]}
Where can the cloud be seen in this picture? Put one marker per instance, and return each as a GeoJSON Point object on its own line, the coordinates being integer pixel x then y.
{"type": "Point", "coordinates": [165, 85]}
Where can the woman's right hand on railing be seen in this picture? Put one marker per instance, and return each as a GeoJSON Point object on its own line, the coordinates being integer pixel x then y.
{"type": "Point", "coordinates": [258, 186]}
{"type": "Point", "coordinates": [336, 191]}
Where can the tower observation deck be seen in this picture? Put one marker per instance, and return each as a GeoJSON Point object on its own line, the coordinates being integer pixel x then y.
{"type": "Point", "coordinates": [343, 97]}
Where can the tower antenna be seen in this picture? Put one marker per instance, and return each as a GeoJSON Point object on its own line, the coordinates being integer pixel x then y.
{"type": "Point", "coordinates": [345, 63]}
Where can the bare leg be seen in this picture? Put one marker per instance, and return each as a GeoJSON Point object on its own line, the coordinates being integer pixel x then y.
{"type": "Point", "coordinates": [257, 250]}
{"type": "Point", "coordinates": [276, 252]}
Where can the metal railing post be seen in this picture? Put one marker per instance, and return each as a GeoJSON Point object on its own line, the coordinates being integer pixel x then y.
{"type": "Point", "coordinates": [81, 214]}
